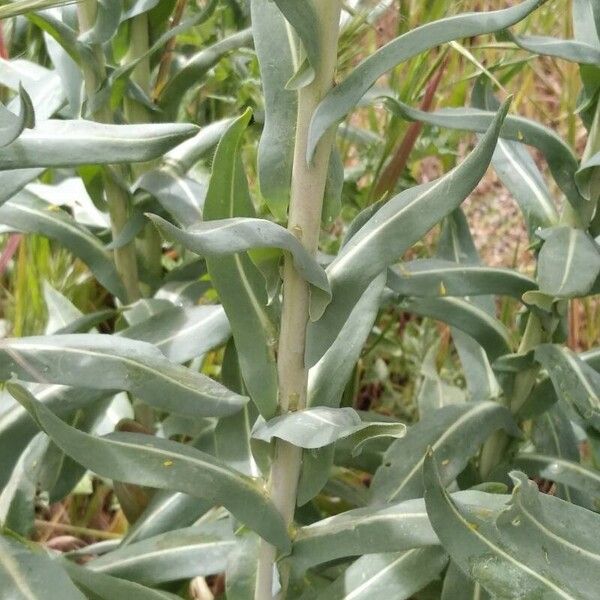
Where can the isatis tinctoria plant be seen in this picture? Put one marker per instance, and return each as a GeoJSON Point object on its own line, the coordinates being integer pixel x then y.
{"type": "Point", "coordinates": [257, 476]}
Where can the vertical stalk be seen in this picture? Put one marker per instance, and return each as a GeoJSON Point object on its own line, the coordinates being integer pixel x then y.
{"type": "Point", "coordinates": [116, 197]}
{"type": "Point", "coordinates": [150, 243]}
{"type": "Point", "coordinates": [306, 205]}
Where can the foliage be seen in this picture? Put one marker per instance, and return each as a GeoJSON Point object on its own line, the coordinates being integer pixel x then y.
{"type": "Point", "coordinates": [246, 269]}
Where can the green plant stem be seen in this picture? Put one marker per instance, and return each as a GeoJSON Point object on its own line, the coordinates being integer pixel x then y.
{"type": "Point", "coordinates": [494, 449]}
{"type": "Point", "coordinates": [306, 205]}
{"type": "Point", "coordinates": [150, 243]}
{"type": "Point", "coordinates": [117, 198]}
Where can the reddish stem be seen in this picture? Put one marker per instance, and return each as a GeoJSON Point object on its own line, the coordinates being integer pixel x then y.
{"type": "Point", "coordinates": [12, 245]}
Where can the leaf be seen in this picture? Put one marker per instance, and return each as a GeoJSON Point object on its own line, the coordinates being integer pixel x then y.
{"type": "Point", "coordinates": [78, 142]}
{"type": "Point", "coordinates": [32, 576]}
{"type": "Point", "coordinates": [562, 471]}
{"type": "Point", "coordinates": [20, 7]}
{"type": "Point", "coordinates": [240, 285]}
{"type": "Point", "coordinates": [576, 383]}
{"type": "Point", "coordinates": [561, 160]}
{"type": "Point", "coordinates": [276, 146]}
{"type": "Point", "coordinates": [17, 499]}
{"type": "Point", "coordinates": [568, 263]}
{"type": "Point", "coordinates": [104, 587]}
{"type": "Point", "coordinates": [586, 21]}
{"type": "Point", "coordinates": [116, 363]}
{"type": "Point", "coordinates": [241, 572]}
{"type": "Point", "coordinates": [396, 576]}
{"type": "Point", "coordinates": [328, 377]}
{"type": "Point", "coordinates": [398, 224]}
{"type": "Point", "coordinates": [29, 214]}
{"type": "Point", "coordinates": [433, 278]}
{"type": "Point", "coordinates": [320, 426]}
{"type": "Point", "coordinates": [230, 236]}
{"type": "Point", "coordinates": [147, 460]}
{"type": "Point", "coordinates": [390, 528]}
{"type": "Point", "coordinates": [458, 586]}
{"type": "Point", "coordinates": [11, 125]}
{"type": "Point", "coordinates": [346, 95]}
{"type": "Point", "coordinates": [585, 174]}
{"type": "Point", "coordinates": [180, 554]}
{"type": "Point", "coordinates": [461, 314]}
{"type": "Point", "coordinates": [455, 434]}
{"type": "Point", "coordinates": [108, 19]}
{"type": "Point", "coordinates": [474, 546]}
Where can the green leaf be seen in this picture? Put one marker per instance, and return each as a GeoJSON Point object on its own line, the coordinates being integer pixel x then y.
{"type": "Point", "coordinates": [241, 572]}
{"type": "Point", "coordinates": [433, 278]}
{"type": "Point", "coordinates": [575, 383]}
{"type": "Point", "coordinates": [20, 7]}
{"type": "Point", "coordinates": [276, 146]}
{"type": "Point", "coordinates": [154, 462]}
{"type": "Point", "coordinates": [180, 554]}
{"type": "Point", "coordinates": [455, 434]}
{"type": "Point", "coordinates": [230, 236]}
{"type": "Point", "coordinates": [29, 214]}
{"type": "Point", "coordinates": [346, 95]}
{"type": "Point", "coordinates": [562, 471]}
{"type": "Point", "coordinates": [586, 21]}
{"type": "Point", "coordinates": [585, 176]}
{"type": "Point", "coordinates": [320, 426]}
{"type": "Point", "coordinates": [108, 19]}
{"type": "Point", "coordinates": [572, 50]}
{"type": "Point", "coordinates": [476, 547]}
{"type": "Point", "coordinates": [398, 224]}
{"type": "Point", "coordinates": [78, 142]}
{"type": "Point", "coordinates": [328, 377]}
{"type": "Point", "coordinates": [458, 586]}
{"type": "Point", "coordinates": [17, 499]}
{"type": "Point", "coordinates": [97, 586]}
{"type": "Point", "coordinates": [240, 285]}
{"type": "Point", "coordinates": [561, 160]}
{"type": "Point", "coordinates": [461, 314]}
{"type": "Point", "coordinates": [568, 263]}
{"type": "Point", "coordinates": [396, 576]}
{"type": "Point", "coordinates": [390, 528]}
{"type": "Point", "coordinates": [11, 125]}
{"type": "Point", "coordinates": [32, 576]}
{"type": "Point", "coordinates": [116, 363]}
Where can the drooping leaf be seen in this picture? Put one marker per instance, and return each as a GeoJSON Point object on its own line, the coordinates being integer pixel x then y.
{"type": "Point", "coordinates": [455, 434]}
{"type": "Point", "coordinates": [11, 125]}
{"type": "Point", "coordinates": [28, 214]}
{"type": "Point", "coordinates": [116, 363]}
{"type": "Point", "coordinates": [71, 143]}
{"type": "Point", "coordinates": [387, 234]}
{"type": "Point", "coordinates": [147, 460]}
{"type": "Point", "coordinates": [568, 263]}
{"type": "Point", "coordinates": [346, 95]}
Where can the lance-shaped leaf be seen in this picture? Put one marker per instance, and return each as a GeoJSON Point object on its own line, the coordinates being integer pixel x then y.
{"type": "Point", "coordinates": [562, 471]}
{"type": "Point", "coordinates": [568, 264]}
{"type": "Point", "coordinates": [391, 528]}
{"type": "Point", "coordinates": [240, 285]}
{"type": "Point", "coordinates": [575, 382]}
{"type": "Point", "coordinates": [29, 214]}
{"type": "Point", "coordinates": [434, 278]}
{"type": "Point", "coordinates": [485, 329]}
{"type": "Point", "coordinates": [455, 434]}
{"type": "Point", "coordinates": [586, 21]}
{"type": "Point", "coordinates": [327, 379]}
{"type": "Point", "coordinates": [475, 545]}
{"type": "Point", "coordinates": [458, 586]}
{"type": "Point", "coordinates": [397, 576]}
{"type": "Point", "coordinates": [115, 363]}
{"type": "Point", "coordinates": [560, 539]}
{"type": "Point", "coordinates": [397, 225]}
{"type": "Point", "coordinates": [573, 50]}
{"type": "Point", "coordinates": [320, 426]}
{"type": "Point", "coordinates": [32, 576]}
{"type": "Point", "coordinates": [182, 334]}
{"type": "Point", "coordinates": [11, 125]}
{"type": "Point", "coordinates": [561, 160]}
{"type": "Point", "coordinates": [80, 142]}
{"type": "Point", "coordinates": [276, 146]}
{"type": "Point", "coordinates": [104, 587]}
{"type": "Point", "coordinates": [180, 554]}
{"type": "Point", "coordinates": [240, 234]}
{"type": "Point", "coordinates": [346, 95]}
{"type": "Point", "coordinates": [163, 464]}
{"type": "Point", "coordinates": [108, 19]}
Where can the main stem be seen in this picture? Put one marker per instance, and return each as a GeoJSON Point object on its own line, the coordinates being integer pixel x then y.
{"type": "Point", "coordinates": [306, 205]}
{"type": "Point", "coordinates": [116, 197]}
